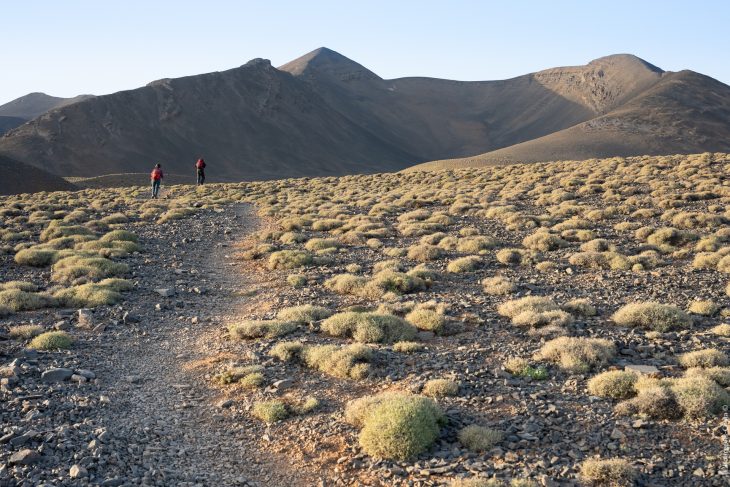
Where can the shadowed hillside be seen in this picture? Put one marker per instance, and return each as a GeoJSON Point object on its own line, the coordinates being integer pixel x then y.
{"type": "Point", "coordinates": [22, 178]}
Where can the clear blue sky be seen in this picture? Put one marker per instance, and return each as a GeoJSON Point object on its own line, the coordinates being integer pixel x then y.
{"type": "Point", "coordinates": [69, 47]}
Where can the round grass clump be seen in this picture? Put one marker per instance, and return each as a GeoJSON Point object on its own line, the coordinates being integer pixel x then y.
{"type": "Point", "coordinates": [395, 426]}
{"type": "Point", "coordinates": [18, 300]}
{"type": "Point", "coordinates": [440, 388]}
{"type": "Point", "coordinates": [296, 280]}
{"type": "Point", "coordinates": [36, 257]}
{"type": "Point", "coordinates": [289, 259]}
{"type": "Point", "coordinates": [722, 330]}
{"type": "Point", "coordinates": [699, 397]}
{"type": "Point", "coordinates": [270, 411]}
{"type": "Point", "coordinates": [303, 314]}
{"type": "Point", "coordinates": [424, 252]}
{"type": "Point", "coordinates": [653, 316]}
{"type": "Point", "coordinates": [426, 319]}
{"type": "Point", "coordinates": [464, 264]}
{"type": "Point", "coordinates": [51, 340]}
{"type": "Point", "coordinates": [616, 384]}
{"type": "Point", "coordinates": [119, 235]}
{"type": "Point", "coordinates": [709, 357]}
{"type": "Point", "coordinates": [498, 286]}
{"type": "Point", "coordinates": [577, 354]}
{"type": "Point", "coordinates": [25, 331]}
{"type": "Point", "coordinates": [703, 308]}
{"type": "Point", "coordinates": [615, 472]}
{"type": "Point", "coordinates": [369, 327]}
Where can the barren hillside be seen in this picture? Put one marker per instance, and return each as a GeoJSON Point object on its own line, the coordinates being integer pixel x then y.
{"type": "Point", "coordinates": [324, 114]}
{"type": "Point", "coordinates": [22, 178]}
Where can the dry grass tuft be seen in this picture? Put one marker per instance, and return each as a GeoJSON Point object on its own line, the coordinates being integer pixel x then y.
{"type": "Point", "coordinates": [615, 384]}
{"type": "Point", "coordinates": [653, 316]}
{"type": "Point", "coordinates": [479, 438]}
{"type": "Point", "coordinates": [709, 357]}
{"type": "Point", "coordinates": [611, 472]}
{"type": "Point", "coordinates": [577, 355]}
{"type": "Point", "coordinates": [440, 388]}
{"type": "Point", "coordinates": [51, 340]}
{"type": "Point", "coordinates": [368, 327]}
{"type": "Point", "coordinates": [395, 426]}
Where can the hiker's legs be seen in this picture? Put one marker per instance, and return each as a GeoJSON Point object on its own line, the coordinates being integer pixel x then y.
{"type": "Point", "coordinates": [202, 177]}
{"type": "Point", "coordinates": [155, 188]}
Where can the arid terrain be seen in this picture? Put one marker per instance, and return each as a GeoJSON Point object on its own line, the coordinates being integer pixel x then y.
{"type": "Point", "coordinates": [323, 114]}
{"type": "Point", "coordinates": [550, 324]}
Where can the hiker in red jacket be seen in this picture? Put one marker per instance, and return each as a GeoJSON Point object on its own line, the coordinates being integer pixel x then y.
{"type": "Point", "coordinates": [200, 169]}
{"type": "Point", "coordinates": [156, 177]}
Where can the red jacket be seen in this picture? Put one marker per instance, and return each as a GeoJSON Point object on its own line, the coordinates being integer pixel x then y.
{"type": "Point", "coordinates": [156, 174]}
{"type": "Point", "coordinates": [200, 164]}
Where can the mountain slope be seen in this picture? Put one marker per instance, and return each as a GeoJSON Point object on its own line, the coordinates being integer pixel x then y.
{"type": "Point", "coordinates": [7, 123]}
{"type": "Point", "coordinates": [34, 104]}
{"type": "Point", "coordinates": [324, 114]}
{"type": "Point", "coordinates": [250, 121]}
{"type": "Point", "coordinates": [685, 112]}
{"type": "Point", "coordinates": [22, 178]}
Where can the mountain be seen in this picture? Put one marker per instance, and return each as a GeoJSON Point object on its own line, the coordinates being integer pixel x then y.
{"type": "Point", "coordinates": [22, 178]}
{"type": "Point", "coordinates": [32, 105]}
{"type": "Point", "coordinates": [683, 113]}
{"type": "Point", "coordinates": [324, 114]}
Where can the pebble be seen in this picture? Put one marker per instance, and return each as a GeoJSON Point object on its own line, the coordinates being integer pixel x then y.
{"type": "Point", "coordinates": [25, 457]}
{"type": "Point", "coordinates": [56, 375]}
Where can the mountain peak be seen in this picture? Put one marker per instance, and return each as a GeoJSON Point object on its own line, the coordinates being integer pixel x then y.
{"type": "Point", "coordinates": [326, 62]}
{"type": "Point", "coordinates": [625, 61]}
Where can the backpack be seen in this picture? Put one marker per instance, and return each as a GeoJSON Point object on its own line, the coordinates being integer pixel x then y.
{"type": "Point", "coordinates": [200, 164]}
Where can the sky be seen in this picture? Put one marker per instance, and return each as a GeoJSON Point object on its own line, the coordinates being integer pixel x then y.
{"type": "Point", "coordinates": [70, 47]}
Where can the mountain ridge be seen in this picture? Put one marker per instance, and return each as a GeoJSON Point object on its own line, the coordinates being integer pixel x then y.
{"type": "Point", "coordinates": [325, 114]}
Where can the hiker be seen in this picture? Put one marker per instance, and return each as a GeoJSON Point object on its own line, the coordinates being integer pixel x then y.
{"type": "Point", "coordinates": [156, 176]}
{"type": "Point", "coordinates": [200, 169]}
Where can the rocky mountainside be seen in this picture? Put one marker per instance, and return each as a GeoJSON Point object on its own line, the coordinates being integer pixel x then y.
{"type": "Point", "coordinates": [684, 112]}
{"type": "Point", "coordinates": [30, 106]}
{"type": "Point", "coordinates": [324, 114]}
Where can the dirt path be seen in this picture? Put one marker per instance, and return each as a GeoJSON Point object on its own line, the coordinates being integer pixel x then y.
{"type": "Point", "coordinates": [162, 423]}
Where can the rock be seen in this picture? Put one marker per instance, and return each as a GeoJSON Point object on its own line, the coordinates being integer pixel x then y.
{"type": "Point", "coordinates": [85, 318]}
{"type": "Point", "coordinates": [226, 403]}
{"type": "Point", "coordinates": [282, 384]}
{"type": "Point", "coordinates": [616, 434]}
{"type": "Point", "coordinates": [25, 457]}
{"type": "Point", "coordinates": [24, 438]}
{"type": "Point", "coordinates": [56, 375]}
{"type": "Point", "coordinates": [425, 336]}
{"type": "Point", "coordinates": [62, 325]}
{"type": "Point", "coordinates": [649, 370]}
{"type": "Point", "coordinates": [165, 292]}
{"type": "Point", "coordinates": [129, 318]}
{"type": "Point", "coordinates": [86, 373]}
{"type": "Point", "coordinates": [77, 471]}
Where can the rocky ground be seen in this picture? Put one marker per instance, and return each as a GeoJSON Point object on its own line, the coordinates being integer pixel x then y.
{"type": "Point", "coordinates": [137, 399]}
{"type": "Point", "coordinates": [126, 405]}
